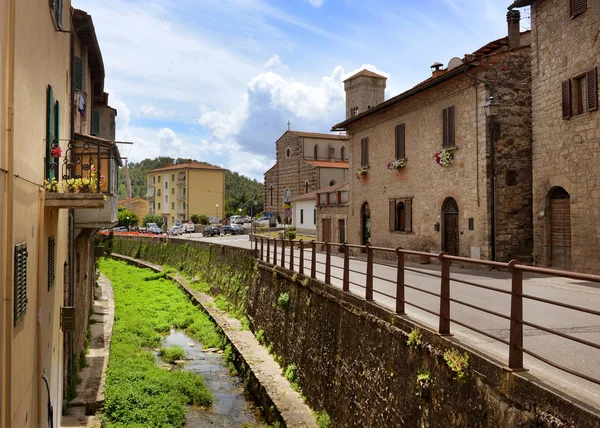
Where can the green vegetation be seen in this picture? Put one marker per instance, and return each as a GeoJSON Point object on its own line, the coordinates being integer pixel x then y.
{"type": "Point", "coordinates": [423, 378]}
{"type": "Point", "coordinates": [290, 232]}
{"type": "Point", "coordinates": [284, 300]}
{"type": "Point", "coordinates": [138, 392]}
{"type": "Point", "coordinates": [323, 419]}
{"type": "Point", "coordinates": [290, 373]}
{"type": "Point", "coordinates": [171, 354]}
{"type": "Point", "coordinates": [260, 336]}
{"type": "Point", "coordinates": [122, 216]}
{"type": "Point", "coordinates": [415, 338]}
{"type": "Point", "coordinates": [458, 363]}
{"type": "Point", "coordinates": [152, 218]}
{"type": "Point", "coordinates": [199, 219]}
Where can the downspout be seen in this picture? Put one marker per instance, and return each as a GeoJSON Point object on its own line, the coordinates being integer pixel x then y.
{"type": "Point", "coordinates": [6, 389]}
{"type": "Point", "coordinates": [40, 314]}
{"type": "Point", "coordinates": [71, 212]}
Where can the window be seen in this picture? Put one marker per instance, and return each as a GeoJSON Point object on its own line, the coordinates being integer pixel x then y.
{"type": "Point", "coordinates": [57, 6]}
{"type": "Point", "coordinates": [184, 191]}
{"type": "Point", "coordinates": [78, 74]}
{"type": "Point", "coordinates": [158, 192]}
{"type": "Point", "coordinates": [153, 180]}
{"type": "Point", "coordinates": [271, 195]}
{"type": "Point", "coordinates": [20, 282]}
{"type": "Point", "coordinates": [184, 205]}
{"type": "Point", "coordinates": [51, 262]}
{"type": "Point", "coordinates": [301, 216]}
{"type": "Point", "coordinates": [172, 219]}
{"type": "Point", "coordinates": [511, 177]}
{"type": "Point", "coordinates": [159, 178]}
{"type": "Point", "coordinates": [288, 152]}
{"type": "Point", "coordinates": [330, 152]}
{"type": "Point", "coordinates": [52, 132]}
{"type": "Point", "coordinates": [364, 152]}
{"type": "Point", "coordinates": [343, 153]}
{"type": "Point", "coordinates": [316, 152]}
{"type": "Point", "coordinates": [448, 125]}
{"type": "Point", "coordinates": [580, 95]}
{"type": "Point", "coordinates": [400, 215]}
{"type": "Point", "coordinates": [332, 183]}
{"type": "Point", "coordinates": [306, 187]}
{"type": "Point", "coordinates": [172, 205]}
{"type": "Point", "coordinates": [166, 184]}
{"type": "Point", "coordinates": [159, 205]}
{"type": "Point", "coordinates": [353, 111]}
{"type": "Point", "coordinates": [95, 122]}
{"type": "Point", "coordinates": [577, 7]}
{"type": "Point", "coordinates": [314, 216]}
{"type": "Point", "coordinates": [172, 177]}
{"type": "Point", "coordinates": [172, 190]}
{"type": "Point", "coordinates": [400, 141]}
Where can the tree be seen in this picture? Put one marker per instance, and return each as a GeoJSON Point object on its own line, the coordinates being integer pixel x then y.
{"type": "Point", "coordinates": [199, 219]}
{"type": "Point", "coordinates": [122, 216]}
{"type": "Point", "coordinates": [153, 218]}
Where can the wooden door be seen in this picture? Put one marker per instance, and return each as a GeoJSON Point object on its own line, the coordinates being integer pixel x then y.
{"type": "Point", "coordinates": [451, 229]}
{"type": "Point", "coordinates": [560, 229]}
{"type": "Point", "coordinates": [326, 226]}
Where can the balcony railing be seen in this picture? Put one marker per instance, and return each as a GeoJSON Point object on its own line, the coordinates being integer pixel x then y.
{"type": "Point", "coordinates": [181, 197]}
{"type": "Point", "coordinates": [180, 211]}
{"type": "Point", "coordinates": [181, 182]}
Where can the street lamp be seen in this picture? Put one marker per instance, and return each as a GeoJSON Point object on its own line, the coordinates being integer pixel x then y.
{"type": "Point", "coordinates": [217, 210]}
{"type": "Point", "coordinates": [492, 109]}
{"type": "Point", "coordinates": [127, 223]}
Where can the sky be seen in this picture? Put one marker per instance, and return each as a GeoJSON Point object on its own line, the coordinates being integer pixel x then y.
{"type": "Point", "coordinates": [218, 80]}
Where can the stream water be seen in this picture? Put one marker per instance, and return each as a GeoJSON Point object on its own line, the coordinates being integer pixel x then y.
{"type": "Point", "coordinates": [231, 407]}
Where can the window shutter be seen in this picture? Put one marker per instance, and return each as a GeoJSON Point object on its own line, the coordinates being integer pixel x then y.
{"type": "Point", "coordinates": [58, 9]}
{"type": "Point", "coordinates": [78, 74]}
{"type": "Point", "coordinates": [566, 99]}
{"type": "Point", "coordinates": [51, 262]}
{"type": "Point", "coordinates": [95, 122]}
{"type": "Point", "coordinates": [592, 89]}
{"type": "Point", "coordinates": [366, 151]}
{"type": "Point", "coordinates": [408, 215]}
{"type": "Point", "coordinates": [392, 214]}
{"type": "Point", "coordinates": [20, 282]}
{"type": "Point", "coordinates": [577, 7]}
{"type": "Point", "coordinates": [451, 126]}
{"type": "Point", "coordinates": [57, 122]}
{"type": "Point", "coordinates": [400, 141]}
{"type": "Point", "coordinates": [362, 152]}
{"type": "Point", "coordinates": [445, 128]}
{"type": "Point", "coordinates": [49, 131]}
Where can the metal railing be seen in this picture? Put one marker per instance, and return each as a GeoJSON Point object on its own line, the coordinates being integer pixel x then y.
{"type": "Point", "coordinates": [301, 257]}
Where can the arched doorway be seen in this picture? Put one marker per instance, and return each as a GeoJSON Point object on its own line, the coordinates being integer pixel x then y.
{"type": "Point", "coordinates": [365, 215]}
{"type": "Point", "coordinates": [560, 228]}
{"type": "Point", "coordinates": [450, 242]}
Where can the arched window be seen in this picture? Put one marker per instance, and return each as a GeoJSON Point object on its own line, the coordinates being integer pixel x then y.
{"type": "Point", "coordinates": [288, 152]}
{"type": "Point", "coordinates": [400, 217]}
{"type": "Point", "coordinates": [306, 187]}
{"type": "Point", "coordinates": [332, 183]}
{"type": "Point", "coordinates": [316, 151]}
{"type": "Point", "coordinates": [271, 195]}
{"type": "Point", "coordinates": [343, 153]}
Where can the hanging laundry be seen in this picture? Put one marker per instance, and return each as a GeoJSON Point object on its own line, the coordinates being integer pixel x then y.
{"type": "Point", "coordinates": [81, 103]}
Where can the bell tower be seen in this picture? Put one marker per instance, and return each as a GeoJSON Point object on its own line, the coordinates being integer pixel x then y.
{"type": "Point", "coordinates": [364, 90]}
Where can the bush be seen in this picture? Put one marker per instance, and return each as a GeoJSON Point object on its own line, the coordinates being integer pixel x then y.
{"type": "Point", "coordinates": [153, 218]}
{"type": "Point", "coordinates": [122, 216]}
{"type": "Point", "coordinates": [290, 234]}
{"type": "Point", "coordinates": [199, 219]}
{"type": "Point", "coordinates": [171, 354]}
{"type": "Point", "coordinates": [284, 300]}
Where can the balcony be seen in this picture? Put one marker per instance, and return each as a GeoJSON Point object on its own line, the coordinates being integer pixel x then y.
{"type": "Point", "coordinates": [150, 193]}
{"type": "Point", "coordinates": [181, 211]}
{"type": "Point", "coordinates": [181, 181]}
{"type": "Point", "coordinates": [150, 210]}
{"type": "Point", "coordinates": [181, 198]}
{"type": "Point", "coordinates": [85, 179]}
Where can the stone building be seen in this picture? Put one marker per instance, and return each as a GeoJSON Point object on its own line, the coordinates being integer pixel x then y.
{"type": "Point", "coordinates": [306, 162]}
{"type": "Point", "coordinates": [139, 206]}
{"type": "Point", "coordinates": [332, 213]}
{"type": "Point", "coordinates": [477, 205]}
{"type": "Point", "coordinates": [566, 133]}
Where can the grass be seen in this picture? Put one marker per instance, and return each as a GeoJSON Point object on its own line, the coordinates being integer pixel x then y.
{"type": "Point", "coordinates": [138, 392]}
{"type": "Point", "coordinates": [171, 354]}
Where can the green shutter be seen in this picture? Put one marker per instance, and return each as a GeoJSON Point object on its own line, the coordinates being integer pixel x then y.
{"type": "Point", "coordinates": [95, 122]}
{"type": "Point", "coordinates": [58, 9]}
{"type": "Point", "coordinates": [78, 66]}
{"type": "Point", "coordinates": [57, 122]}
{"type": "Point", "coordinates": [20, 282]}
{"type": "Point", "coordinates": [50, 122]}
{"type": "Point", "coordinates": [51, 262]}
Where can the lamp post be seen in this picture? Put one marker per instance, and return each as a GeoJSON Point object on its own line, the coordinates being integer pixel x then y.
{"type": "Point", "coordinates": [492, 109]}
{"type": "Point", "coordinates": [217, 212]}
{"type": "Point", "coordinates": [128, 224]}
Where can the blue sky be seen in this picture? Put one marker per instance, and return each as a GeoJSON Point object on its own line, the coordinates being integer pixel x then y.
{"type": "Point", "coordinates": [217, 80]}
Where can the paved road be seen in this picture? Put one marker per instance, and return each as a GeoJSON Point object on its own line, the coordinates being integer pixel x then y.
{"type": "Point", "coordinates": [578, 357]}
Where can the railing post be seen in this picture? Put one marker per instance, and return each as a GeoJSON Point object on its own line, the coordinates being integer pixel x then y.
{"type": "Point", "coordinates": [515, 353]}
{"type": "Point", "coordinates": [301, 264]}
{"type": "Point", "coordinates": [369, 290]}
{"type": "Point", "coordinates": [400, 282]}
{"type": "Point", "coordinates": [275, 251]}
{"type": "Point", "coordinates": [327, 263]}
{"type": "Point", "coordinates": [268, 250]}
{"type": "Point", "coordinates": [255, 243]}
{"type": "Point", "coordinates": [346, 280]}
{"type": "Point", "coordinates": [291, 255]}
{"type": "Point", "coordinates": [313, 262]}
{"type": "Point", "coordinates": [99, 172]}
{"type": "Point", "coordinates": [262, 244]}
{"type": "Point", "coordinates": [282, 252]}
{"type": "Point", "coordinates": [444, 327]}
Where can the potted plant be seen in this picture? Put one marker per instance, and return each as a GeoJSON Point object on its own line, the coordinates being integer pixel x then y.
{"type": "Point", "coordinates": [444, 158]}
{"type": "Point", "coordinates": [424, 244]}
{"type": "Point", "coordinates": [361, 173]}
{"type": "Point", "coordinates": [55, 152]}
{"type": "Point", "coordinates": [396, 165]}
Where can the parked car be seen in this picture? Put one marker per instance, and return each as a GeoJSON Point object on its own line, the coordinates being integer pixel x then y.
{"type": "Point", "coordinates": [120, 229]}
{"type": "Point", "coordinates": [211, 231]}
{"type": "Point", "coordinates": [226, 230]}
{"type": "Point", "coordinates": [236, 219]}
{"type": "Point", "coordinates": [153, 228]}
{"type": "Point", "coordinates": [236, 229]}
{"type": "Point", "coordinates": [263, 222]}
{"type": "Point", "coordinates": [189, 227]}
{"type": "Point", "coordinates": [175, 230]}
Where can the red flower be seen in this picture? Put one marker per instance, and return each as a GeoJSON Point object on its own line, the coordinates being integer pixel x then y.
{"type": "Point", "coordinates": [55, 152]}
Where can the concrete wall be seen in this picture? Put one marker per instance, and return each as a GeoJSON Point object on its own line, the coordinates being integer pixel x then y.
{"type": "Point", "coordinates": [565, 152]}
{"type": "Point", "coordinates": [327, 175]}
{"type": "Point", "coordinates": [307, 226]}
{"type": "Point", "coordinates": [467, 180]}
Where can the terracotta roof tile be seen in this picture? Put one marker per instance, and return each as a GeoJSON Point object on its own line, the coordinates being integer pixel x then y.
{"type": "Point", "coordinates": [189, 165]}
{"type": "Point", "coordinates": [319, 135]}
{"type": "Point", "coordinates": [328, 164]}
{"type": "Point", "coordinates": [313, 195]}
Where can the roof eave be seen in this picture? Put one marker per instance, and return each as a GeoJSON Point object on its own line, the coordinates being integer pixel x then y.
{"type": "Point", "coordinates": [342, 126]}
{"type": "Point", "coordinates": [520, 3]}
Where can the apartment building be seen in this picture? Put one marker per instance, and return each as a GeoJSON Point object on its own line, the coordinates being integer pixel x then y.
{"type": "Point", "coordinates": [177, 192]}
{"type": "Point", "coordinates": [566, 132]}
{"type": "Point", "coordinates": [50, 178]}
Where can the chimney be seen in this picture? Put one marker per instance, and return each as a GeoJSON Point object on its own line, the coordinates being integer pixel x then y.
{"type": "Point", "coordinates": [513, 17]}
{"type": "Point", "coordinates": [436, 69]}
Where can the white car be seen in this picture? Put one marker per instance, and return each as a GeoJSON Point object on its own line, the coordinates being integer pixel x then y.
{"type": "Point", "coordinates": [189, 227]}
{"type": "Point", "coordinates": [236, 219]}
{"type": "Point", "coordinates": [175, 230]}
{"type": "Point", "coordinates": [263, 222]}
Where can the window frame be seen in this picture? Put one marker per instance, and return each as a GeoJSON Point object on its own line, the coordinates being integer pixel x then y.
{"type": "Point", "coordinates": [20, 282]}
{"type": "Point", "coordinates": [400, 143]}
{"type": "Point", "coordinates": [364, 152]}
{"type": "Point", "coordinates": [395, 221]}
{"type": "Point", "coordinates": [579, 94]}
{"type": "Point", "coordinates": [577, 7]}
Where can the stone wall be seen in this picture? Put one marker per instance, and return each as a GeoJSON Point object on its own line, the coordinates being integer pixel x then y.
{"type": "Point", "coordinates": [352, 356]}
{"type": "Point", "coordinates": [335, 213]}
{"type": "Point", "coordinates": [565, 152]}
{"type": "Point", "coordinates": [467, 180]}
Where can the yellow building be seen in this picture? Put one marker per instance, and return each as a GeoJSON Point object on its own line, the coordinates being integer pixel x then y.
{"type": "Point", "coordinates": [177, 192]}
{"type": "Point", "coordinates": [138, 206]}
{"type": "Point", "coordinates": [41, 225]}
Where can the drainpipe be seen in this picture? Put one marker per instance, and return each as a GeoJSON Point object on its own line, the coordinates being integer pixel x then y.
{"type": "Point", "coordinates": [6, 389]}
{"type": "Point", "coordinates": [40, 313]}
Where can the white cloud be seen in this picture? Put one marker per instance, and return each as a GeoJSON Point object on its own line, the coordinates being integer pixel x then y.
{"type": "Point", "coordinates": [170, 144]}
{"type": "Point", "coordinates": [152, 111]}
{"type": "Point", "coordinates": [316, 3]}
{"type": "Point", "coordinates": [273, 62]}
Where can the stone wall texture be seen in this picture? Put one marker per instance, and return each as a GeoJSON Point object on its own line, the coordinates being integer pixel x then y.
{"type": "Point", "coordinates": [565, 152]}
{"type": "Point", "coordinates": [468, 179]}
{"type": "Point", "coordinates": [352, 356]}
